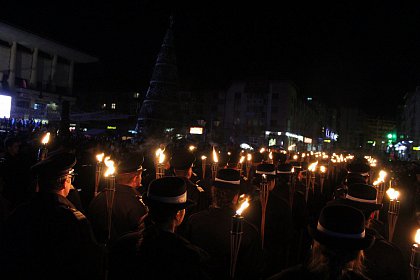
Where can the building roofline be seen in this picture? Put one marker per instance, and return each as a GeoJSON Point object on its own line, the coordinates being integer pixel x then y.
{"type": "Point", "coordinates": [30, 40]}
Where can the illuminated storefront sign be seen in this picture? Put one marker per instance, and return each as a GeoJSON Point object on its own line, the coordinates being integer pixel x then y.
{"type": "Point", "coordinates": [331, 135]}
{"type": "Point", "coordinates": [196, 130]}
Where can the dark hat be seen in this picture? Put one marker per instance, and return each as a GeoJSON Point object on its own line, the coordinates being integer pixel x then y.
{"type": "Point", "coordinates": [358, 167]}
{"type": "Point", "coordinates": [55, 166]}
{"type": "Point", "coordinates": [232, 159]}
{"type": "Point", "coordinates": [362, 197]}
{"type": "Point", "coordinates": [130, 163]}
{"type": "Point", "coordinates": [182, 159]}
{"type": "Point", "coordinates": [355, 178]}
{"type": "Point", "coordinates": [228, 178]}
{"type": "Point", "coordinates": [168, 192]}
{"type": "Point", "coordinates": [284, 168]}
{"type": "Point", "coordinates": [268, 169]}
{"type": "Point", "coordinates": [279, 157]}
{"type": "Point", "coordinates": [341, 227]}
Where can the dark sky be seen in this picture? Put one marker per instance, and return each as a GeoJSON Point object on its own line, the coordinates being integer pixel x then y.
{"type": "Point", "coordinates": [365, 54]}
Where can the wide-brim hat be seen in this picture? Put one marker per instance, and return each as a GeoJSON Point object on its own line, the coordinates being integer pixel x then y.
{"type": "Point", "coordinates": [168, 192]}
{"type": "Point", "coordinates": [358, 167]}
{"type": "Point", "coordinates": [341, 227]}
{"type": "Point", "coordinates": [362, 197]}
{"type": "Point", "coordinates": [267, 169]}
{"type": "Point", "coordinates": [284, 169]}
{"type": "Point", "coordinates": [228, 178]}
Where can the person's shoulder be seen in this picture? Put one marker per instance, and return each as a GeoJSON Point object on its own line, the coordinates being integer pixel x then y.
{"type": "Point", "coordinates": [294, 272]}
{"type": "Point", "coordinates": [191, 250]}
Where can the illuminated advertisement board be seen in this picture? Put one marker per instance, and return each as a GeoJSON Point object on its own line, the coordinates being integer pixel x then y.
{"type": "Point", "coordinates": [5, 106]}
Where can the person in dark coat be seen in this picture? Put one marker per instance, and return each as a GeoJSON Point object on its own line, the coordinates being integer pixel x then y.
{"type": "Point", "coordinates": [378, 261]}
{"type": "Point", "coordinates": [278, 226]}
{"type": "Point", "coordinates": [182, 162]}
{"type": "Point", "coordinates": [210, 230]}
{"type": "Point", "coordinates": [339, 238]}
{"type": "Point", "coordinates": [156, 251]}
{"type": "Point", "coordinates": [47, 237]}
{"type": "Point", "coordinates": [15, 175]}
{"type": "Point", "coordinates": [128, 207]}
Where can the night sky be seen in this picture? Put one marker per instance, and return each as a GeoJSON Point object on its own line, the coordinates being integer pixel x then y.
{"type": "Point", "coordinates": [365, 55]}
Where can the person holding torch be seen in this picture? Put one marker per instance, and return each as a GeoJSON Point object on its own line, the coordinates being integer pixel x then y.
{"type": "Point", "coordinates": [211, 230]}
{"type": "Point", "coordinates": [48, 236]}
{"type": "Point", "coordinates": [378, 263]}
{"type": "Point", "coordinates": [271, 213]}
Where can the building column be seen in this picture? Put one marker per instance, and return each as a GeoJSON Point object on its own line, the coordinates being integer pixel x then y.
{"type": "Point", "coordinates": [70, 81]}
{"type": "Point", "coordinates": [53, 70]}
{"type": "Point", "coordinates": [34, 72]}
{"type": "Point", "coordinates": [12, 66]}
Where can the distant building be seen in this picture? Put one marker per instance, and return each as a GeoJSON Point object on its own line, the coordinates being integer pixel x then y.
{"type": "Point", "coordinates": [410, 124]}
{"type": "Point", "coordinates": [351, 128]}
{"type": "Point", "coordinates": [36, 73]}
{"type": "Point", "coordinates": [378, 133]}
{"type": "Point", "coordinates": [262, 112]}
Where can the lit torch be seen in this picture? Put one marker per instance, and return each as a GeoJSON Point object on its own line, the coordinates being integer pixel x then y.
{"type": "Point", "coordinates": [214, 165]}
{"type": "Point", "coordinates": [248, 164]}
{"type": "Point", "coordinates": [415, 257]}
{"type": "Point", "coordinates": [323, 170]}
{"type": "Point", "coordinates": [160, 165]}
{"type": "Point", "coordinates": [109, 191]}
{"type": "Point", "coordinates": [310, 178]}
{"type": "Point", "coordinates": [264, 193]}
{"type": "Point", "coordinates": [393, 211]}
{"type": "Point", "coordinates": [99, 164]}
{"type": "Point", "coordinates": [270, 157]}
{"type": "Point", "coordinates": [236, 236]}
{"type": "Point", "coordinates": [379, 184]}
{"type": "Point", "coordinates": [43, 151]}
{"type": "Point", "coordinates": [203, 165]}
{"type": "Point", "coordinates": [240, 164]}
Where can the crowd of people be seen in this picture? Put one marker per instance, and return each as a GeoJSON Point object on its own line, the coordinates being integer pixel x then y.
{"type": "Point", "coordinates": [58, 220]}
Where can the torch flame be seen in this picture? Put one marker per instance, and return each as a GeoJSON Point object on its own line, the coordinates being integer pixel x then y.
{"type": "Point", "coordinates": [110, 167]}
{"type": "Point", "coordinates": [303, 155]}
{"type": "Point", "coordinates": [248, 157]}
{"type": "Point", "coordinates": [100, 157]}
{"type": "Point", "coordinates": [192, 148]}
{"type": "Point", "coordinates": [215, 157]}
{"type": "Point", "coordinates": [312, 166]}
{"type": "Point", "coordinates": [323, 169]}
{"type": "Point", "coordinates": [417, 238]}
{"type": "Point", "coordinates": [241, 160]}
{"type": "Point", "coordinates": [270, 155]}
{"type": "Point", "coordinates": [291, 147]}
{"type": "Point", "coordinates": [203, 157]}
{"type": "Point", "coordinates": [295, 157]}
{"type": "Point", "coordinates": [262, 150]}
{"type": "Point", "coordinates": [158, 152]}
{"type": "Point", "coordinates": [46, 139]}
{"type": "Point", "coordinates": [382, 175]}
{"type": "Point", "coordinates": [161, 157]}
{"type": "Point", "coordinates": [393, 194]}
{"type": "Point", "coordinates": [243, 206]}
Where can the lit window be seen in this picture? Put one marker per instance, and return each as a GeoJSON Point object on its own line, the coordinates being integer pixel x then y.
{"type": "Point", "coordinates": [103, 106]}
{"type": "Point", "coordinates": [309, 98]}
{"type": "Point", "coordinates": [136, 94]}
{"type": "Point", "coordinates": [113, 106]}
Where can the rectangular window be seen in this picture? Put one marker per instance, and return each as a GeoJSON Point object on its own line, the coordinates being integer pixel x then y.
{"type": "Point", "coordinates": [113, 106]}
